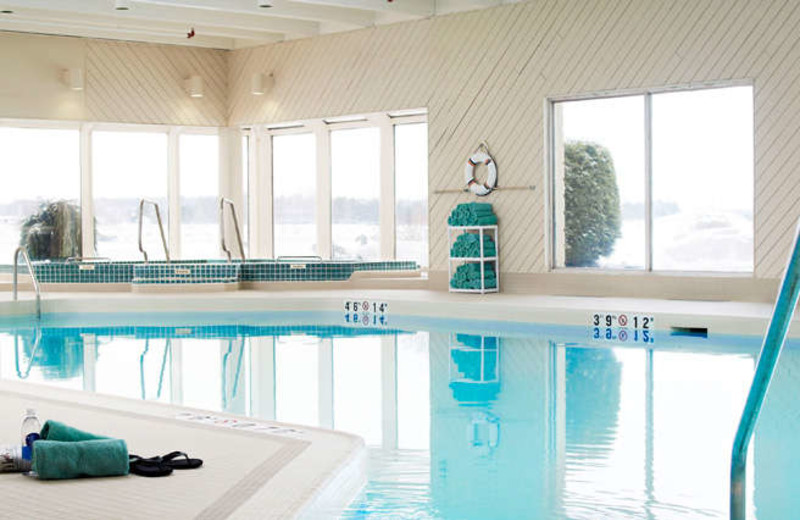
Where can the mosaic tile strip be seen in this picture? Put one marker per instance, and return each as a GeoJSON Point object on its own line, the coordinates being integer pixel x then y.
{"type": "Point", "coordinates": [186, 273]}
{"type": "Point", "coordinates": [205, 271]}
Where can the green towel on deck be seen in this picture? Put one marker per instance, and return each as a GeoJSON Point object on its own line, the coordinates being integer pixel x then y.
{"type": "Point", "coordinates": [65, 452]}
{"type": "Point", "coordinates": [57, 431]}
{"type": "Point", "coordinates": [55, 460]}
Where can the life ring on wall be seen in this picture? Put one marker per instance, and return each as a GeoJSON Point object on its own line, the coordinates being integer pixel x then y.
{"type": "Point", "coordinates": [481, 190]}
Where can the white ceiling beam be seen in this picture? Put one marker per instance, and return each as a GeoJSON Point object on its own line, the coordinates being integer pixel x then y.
{"type": "Point", "coordinates": [28, 27]}
{"type": "Point", "coordinates": [280, 8]}
{"type": "Point", "coordinates": [175, 30]}
{"type": "Point", "coordinates": [183, 15]}
{"type": "Point", "coordinates": [419, 8]}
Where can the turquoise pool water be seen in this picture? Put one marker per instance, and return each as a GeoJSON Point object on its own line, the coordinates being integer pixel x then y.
{"type": "Point", "coordinates": [462, 420]}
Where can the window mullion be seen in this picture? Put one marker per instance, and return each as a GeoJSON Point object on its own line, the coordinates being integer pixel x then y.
{"type": "Point", "coordinates": [87, 195]}
{"type": "Point", "coordinates": [386, 202]}
{"type": "Point", "coordinates": [324, 193]}
{"type": "Point", "coordinates": [648, 181]}
{"type": "Point", "coordinates": [173, 193]}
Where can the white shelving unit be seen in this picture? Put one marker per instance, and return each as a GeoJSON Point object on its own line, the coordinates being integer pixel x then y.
{"type": "Point", "coordinates": [453, 232]}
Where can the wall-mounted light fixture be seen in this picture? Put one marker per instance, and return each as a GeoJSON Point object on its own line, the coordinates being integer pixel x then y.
{"type": "Point", "coordinates": [122, 5]}
{"type": "Point", "coordinates": [194, 86]}
{"type": "Point", "coordinates": [261, 84]}
{"type": "Point", "coordinates": [264, 4]}
{"type": "Point", "coordinates": [73, 78]}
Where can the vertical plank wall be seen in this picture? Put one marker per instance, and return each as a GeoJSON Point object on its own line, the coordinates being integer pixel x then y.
{"type": "Point", "coordinates": [486, 75]}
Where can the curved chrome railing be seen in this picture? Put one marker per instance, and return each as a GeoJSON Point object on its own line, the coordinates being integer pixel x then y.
{"type": "Point", "coordinates": [222, 202]}
{"type": "Point", "coordinates": [142, 202]}
{"type": "Point", "coordinates": [24, 252]}
{"type": "Point", "coordinates": [770, 351]}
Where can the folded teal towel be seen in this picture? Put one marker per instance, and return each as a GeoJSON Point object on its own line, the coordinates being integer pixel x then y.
{"type": "Point", "coordinates": [66, 452]}
{"type": "Point", "coordinates": [468, 276]}
{"type": "Point", "coordinates": [57, 431]}
{"type": "Point", "coordinates": [55, 460]}
{"type": "Point", "coordinates": [469, 245]}
{"type": "Point", "coordinates": [472, 214]}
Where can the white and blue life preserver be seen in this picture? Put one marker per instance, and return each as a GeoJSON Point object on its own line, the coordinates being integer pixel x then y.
{"type": "Point", "coordinates": [473, 185]}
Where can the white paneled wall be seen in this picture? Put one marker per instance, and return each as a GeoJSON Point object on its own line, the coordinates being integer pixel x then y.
{"type": "Point", "coordinates": [487, 74]}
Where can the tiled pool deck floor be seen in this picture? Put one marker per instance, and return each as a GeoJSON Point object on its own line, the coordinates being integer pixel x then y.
{"type": "Point", "coordinates": [256, 470]}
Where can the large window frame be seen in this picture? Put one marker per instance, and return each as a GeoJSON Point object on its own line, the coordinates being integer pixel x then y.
{"type": "Point", "coordinates": [228, 175]}
{"type": "Point", "coordinates": [261, 194]}
{"type": "Point", "coordinates": [551, 168]}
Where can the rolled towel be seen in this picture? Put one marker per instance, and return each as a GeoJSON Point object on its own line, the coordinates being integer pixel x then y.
{"type": "Point", "coordinates": [58, 431]}
{"type": "Point", "coordinates": [56, 460]}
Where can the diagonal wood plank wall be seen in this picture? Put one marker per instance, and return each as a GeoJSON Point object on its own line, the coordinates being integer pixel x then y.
{"type": "Point", "coordinates": [486, 75]}
{"type": "Point", "coordinates": [124, 82]}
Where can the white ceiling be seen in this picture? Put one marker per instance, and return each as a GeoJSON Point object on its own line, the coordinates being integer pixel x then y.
{"type": "Point", "coordinates": [222, 24]}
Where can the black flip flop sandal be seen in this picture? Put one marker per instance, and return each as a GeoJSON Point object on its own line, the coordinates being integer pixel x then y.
{"type": "Point", "coordinates": [148, 467]}
{"type": "Point", "coordinates": [180, 460]}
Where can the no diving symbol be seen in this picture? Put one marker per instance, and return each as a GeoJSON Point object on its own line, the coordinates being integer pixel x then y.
{"type": "Point", "coordinates": [623, 335]}
{"type": "Point", "coordinates": [365, 320]}
{"type": "Point", "coordinates": [622, 320]}
{"type": "Point", "coordinates": [365, 306]}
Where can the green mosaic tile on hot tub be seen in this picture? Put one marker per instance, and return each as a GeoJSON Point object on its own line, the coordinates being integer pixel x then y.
{"type": "Point", "coordinates": [204, 271]}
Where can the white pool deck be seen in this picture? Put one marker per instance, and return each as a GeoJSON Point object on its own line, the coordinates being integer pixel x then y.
{"type": "Point", "coordinates": [260, 470]}
{"type": "Point", "coordinates": [718, 317]}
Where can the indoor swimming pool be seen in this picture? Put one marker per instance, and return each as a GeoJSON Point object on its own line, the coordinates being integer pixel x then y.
{"type": "Point", "coordinates": [462, 420]}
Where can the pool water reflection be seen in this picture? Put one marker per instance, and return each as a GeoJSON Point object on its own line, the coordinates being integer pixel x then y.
{"type": "Point", "coordinates": [460, 425]}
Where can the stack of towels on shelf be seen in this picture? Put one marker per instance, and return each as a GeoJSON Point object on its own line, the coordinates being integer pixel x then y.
{"type": "Point", "coordinates": [468, 276]}
{"type": "Point", "coordinates": [468, 245]}
{"type": "Point", "coordinates": [472, 214]}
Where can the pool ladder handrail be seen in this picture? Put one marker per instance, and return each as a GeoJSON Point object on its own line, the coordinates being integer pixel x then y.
{"type": "Point", "coordinates": [771, 348]}
{"type": "Point", "coordinates": [223, 242]}
{"type": "Point", "coordinates": [142, 202]}
{"type": "Point", "coordinates": [22, 250]}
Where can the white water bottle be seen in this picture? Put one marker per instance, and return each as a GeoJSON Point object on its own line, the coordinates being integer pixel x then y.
{"type": "Point", "coordinates": [31, 426]}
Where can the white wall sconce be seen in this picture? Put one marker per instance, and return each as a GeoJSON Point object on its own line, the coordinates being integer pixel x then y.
{"type": "Point", "coordinates": [261, 84]}
{"type": "Point", "coordinates": [122, 5]}
{"type": "Point", "coordinates": [73, 78]}
{"type": "Point", "coordinates": [194, 86]}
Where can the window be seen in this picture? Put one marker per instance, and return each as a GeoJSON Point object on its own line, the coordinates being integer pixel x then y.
{"type": "Point", "coordinates": [294, 181]}
{"type": "Point", "coordinates": [411, 192]}
{"type": "Point", "coordinates": [355, 186]}
{"type": "Point", "coordinates": [128, 166]}
{"type": "Point", "coordinates": [199, 188]}
{"type": "Point", "coordinates": [348, 188]}
{"type": "Point", "coordinates": [703, 180]}
{"type": "Point", "coordinates": [656, 181]}
{"type": "Point", "coordinates": [39, 202]}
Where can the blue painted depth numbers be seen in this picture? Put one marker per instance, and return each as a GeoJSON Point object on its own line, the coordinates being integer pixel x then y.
{"type": "Point", "coordinates": [366, 313]}
{"type": "Point", "coordinates": [622, 328]}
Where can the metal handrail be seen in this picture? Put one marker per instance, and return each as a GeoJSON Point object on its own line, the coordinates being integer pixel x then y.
{"type": "Point", "coordinates": [222, 202]}
{"type": "Point", "coordinates": [770, 351]}
{"type": "Point", "coordinates": [142, 202]}
{"type": "Point", "coordinates": [21, 250]}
